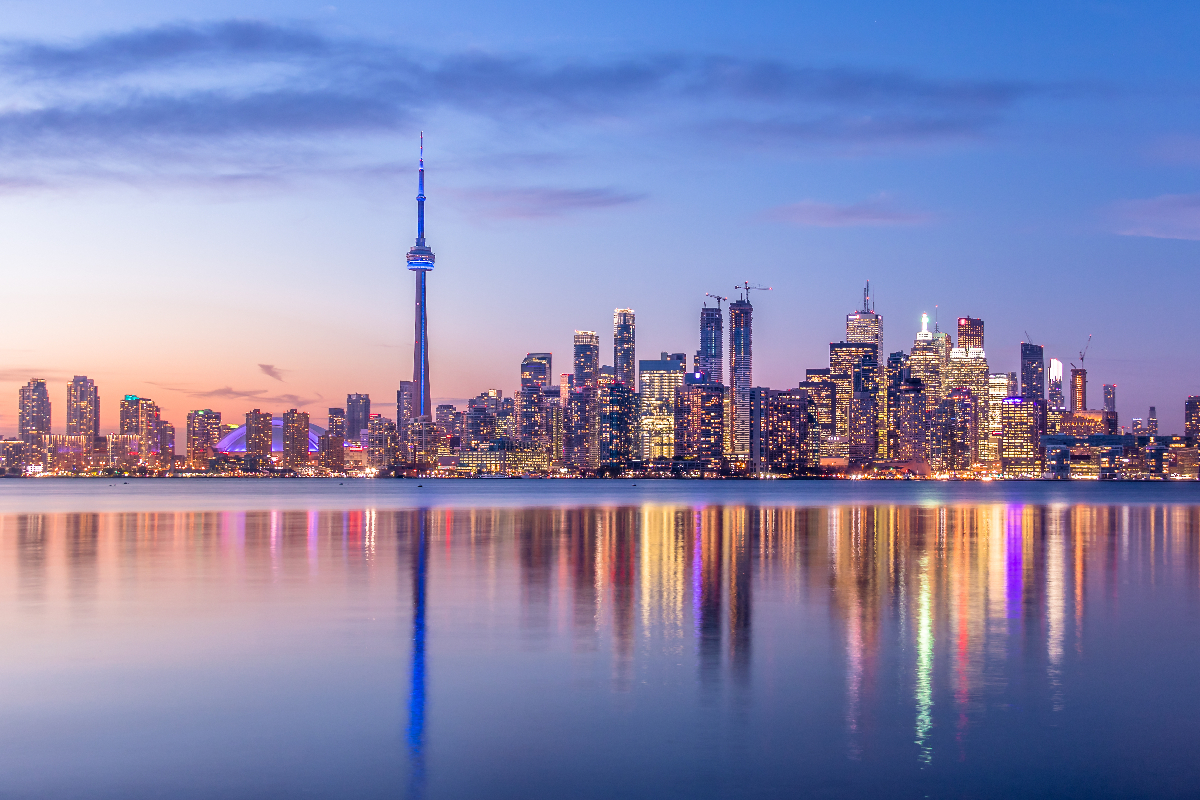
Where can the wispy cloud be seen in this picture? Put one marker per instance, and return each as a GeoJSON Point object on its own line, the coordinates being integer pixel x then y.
{"type": "Point", "coordinates": [1170, 216]}
{"type": "Point", "coordinates": [252, 395]}
{"type": "Point", "coordinates": [25, 374]}
{"type": "Point", "coordinates": [878, 211]}
{"type": "Point", "coordinates": [271, 371]}
{"type": "Point", "coordinates": [540, 202]}
{"type": "Point", "coordinates": [247, 99]}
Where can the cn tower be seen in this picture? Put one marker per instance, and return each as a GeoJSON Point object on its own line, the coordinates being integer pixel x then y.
{"type": "Point", "coordinates": [420, 261]}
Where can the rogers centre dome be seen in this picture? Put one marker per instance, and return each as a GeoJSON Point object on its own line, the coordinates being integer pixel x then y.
{"type": "Point", "coordinates": [235, 440]}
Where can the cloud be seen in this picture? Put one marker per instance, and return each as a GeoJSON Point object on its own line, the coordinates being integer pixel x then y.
{"type": "Point", "coordinates": [25, 374]}
{"type": "Point", "coordinates": [876, 212]}
{"type": "Point", "coordinates": [253, 395]}
{"type": "Point", "coordinates": [271, 371]}
{"type": "Point", "coordinates": [247, 99]}
{"type": "Point", "coordinates": [535, 203]}
{"type": "Point", "coordinates": [1170, 216]}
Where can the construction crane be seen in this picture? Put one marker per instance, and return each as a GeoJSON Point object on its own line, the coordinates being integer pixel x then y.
{"type": "Point", "coordinates": [718, 298]}
{"type": "Point", "coordinates": [745, 288]}
{"type": "Point", "coordinates": [1083, 352]}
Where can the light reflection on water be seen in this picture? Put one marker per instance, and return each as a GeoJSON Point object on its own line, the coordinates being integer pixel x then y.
{"type": "Point", "coordinates": [646, 650]}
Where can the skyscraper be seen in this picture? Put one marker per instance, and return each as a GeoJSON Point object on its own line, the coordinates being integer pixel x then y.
{"type": "Point", "coordinates": [741, 368]}
{"type": "Point", "coordinates": [587, 359]}
{"type": "Point", "coordinates": [658, 383]}
{"type": "Point", "coordinates": [358, 414]}
{"type": "Point", "coordinates": [1191, 416]}
{"type": "Point", "coordinates": [141, 417]}
{"type": "Point", "coordinates": [295, 438]}
{"type": "Point", "coordinates": [710, 357]}
{"type": "Point", "coordinates": [968, 369]}
{"type": "Point", "coordinates": [1056, 388]}
{"type": "Point", "coordinates": [1033, 371]}
{"type": "Point", "coordinates": [700, 420]}
{"type": "Point", "coordinates": [1020, 445]}
{"type": "Point", "coordinates": [1110, 397]}
{"type": "Point", "coordinates": [865, 326]}
{"type": "Point", "coordinates": [203, 434]}
{"type": "Point", "coordinates": [258, 440]}
{"type": "Point", "coordinates": [83, 407]}
{"type": "Point", "coordinates": [536, 372]}
{"type": "Point", "coordinates": [970, 333]}
{"type": "Point", "coordinates": [1152, 422]}
{"type": "Point", "coordinates": [1078, 390]}
{"type": "Point", "coordinates": [33, 419]}
{"type": "Point", "coordinates": [331, 446]}
{"type": "Point", "coordinates": [926, 361]}
{"type": "Point", "coordinates": [624, 347]}
{"type": "Point", "coordinates": [618, 424]}
{"type": "Point", "coordinates": [406, 412]}
{"type": "Point", "coordinates": [420, 261]}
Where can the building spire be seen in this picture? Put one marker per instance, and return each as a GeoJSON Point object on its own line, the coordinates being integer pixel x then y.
{"type": "Point", "coordinates": [421, 194]}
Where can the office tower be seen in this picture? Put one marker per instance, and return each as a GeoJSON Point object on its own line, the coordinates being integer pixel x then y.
{"type": "Point", "coordinates": [420, 261]}
{"type": "Point", "coordinates": [587, 359]}
{"type": "Point", "coordinates": [358, 414]}
{"type": "Point", "coordinates": [618, 425]}
{"type": "Point", "coordinates": [406, 411]}
{"type": "Point", "coordinates": [83, 407]}
{"type": "Point", "coordinates": [911, 421]}
{"type": "Point", "coordinates": [895, 372]}
{"type": "Point", "coordinates": [1152, 422]}
{"type": "Point", "coordinates": [139, 416]}
{"type": "Point", "coordinates": [203, 434]}
{"type": "Point", "coordinates": [536, 372]}
{"type": "Point", "coordinates": [926, 361]}
{"type": "Point", "coordinates": [382, 442]}
{"type": "Point", "coordinates": [1020, 444]}
{"type": "Point", "coordinates": [1057, 399]}
{"type": "Point", "coordinates": [1110, 397]}
{"type": "Point", "coordinates": [331, 446]}
{"type": "Point", "coordinates": [1000, 386]}
{"type": "Point", "coordinates": [821, 389]}
{"type": "Point", "coordinates": [1033, 370]}
{"type": "Point", "coordinates": [865, 326]}
{"type": "Point", "coordinates": [741, 368]}
{"type": "Point", "coordinates": [33, 420]}
{"type": "Point", "coordinates": [862, 431]}
{"type": "Point", "coordinates": [700, 420]}
{"type": "Point", "coordinates": [607, 376]}
{"type": "Point", "coordinates": [968, 369]}
{"type": "Point", "coordinates": [710, 357]}
{"type": "Point", "coordinates": [953, 432]}
{"type": "Point", "coordinates": [844, 357]}
{"type": "Point", "coordinates": [658, 382]}
{"type": "Point", "coordinates": [782, 431]}
{"type": "Point", "coordinates": [295, 439]}
{"type": "Point", "coordinates": [482, 417]}
{"type": "Point", "coordinates": [336, 422]}
{"type": "Point", "coordinates": [1137, 426]}
{"type": "Point", "coordinates": [1078, 390]}
{"type": "Point", "coordinates": [1191, 416]}
{"type": "Point", "coordinates": [970, 333]}
{"type": "Point", "coordinates": [259, 435]}
{"type": "Point", "coordinates": [581, 428]}
{"type": "Point", "coordinates": [624, 365]}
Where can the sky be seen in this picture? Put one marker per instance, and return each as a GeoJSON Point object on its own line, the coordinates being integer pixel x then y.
{"type": "Point", "coordinates": [209, 203]}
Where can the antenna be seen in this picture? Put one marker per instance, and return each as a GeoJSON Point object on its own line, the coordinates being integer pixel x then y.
{"type": "Point", "coordinates": [867, 296]}
{"type": "Point", "coordinates": [716, 297]}
{"type": "Point", "coordinates": [1083, 352]}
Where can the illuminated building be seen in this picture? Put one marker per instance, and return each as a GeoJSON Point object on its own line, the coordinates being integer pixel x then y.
{"type": "Point", "coordinates": [259, 442]}
{"type": "Point", "coordinates": [968, 369]}
{"type": "Point", "coordinates": [83, 407]}
{"type": "Point", "coordinates": [911, 417]}
{"type": "Point", "coordinates": [166, 444]}
{"type": "Point", "coordinates": [331, 445]}
{"type": "Point", "coordinates": [926, 361]}
{"type": "Point", "coordinates": [780, 441]}
{"type": "Point", "coordinates": [865, 326]}
{"type": "Point", "coordinates": [124, 450]}
{"type": "Point", "coordinates": [1057, 399]}
{"type": "Point", "coordinates": [203, 434]}
{"type": "Point", "coordinates": [336, 423]}
{"type": "Point", "coordinates": [953, 432]}
{"type": "Point", "coordinates": [536, 372]}
{"type": "Point", "coordinates": [383, 445]}
{"type": "Point", "coordinates": [295, 439]}
{"type": "Point", "coordinates": [358, 414]}
{"type": "Point", "coordinates": [862, 432]}
{"type": "Point", "coordinates": [33, 419]}
{"type": "Point", "coordinates": [1000, 386]}
{"type": "Point", "coordinates": [843, 358]}
{"type": "Point", "coordinates": [700, 420]}
{"type": "Point", "coordinates": [1020, 444]}
{"type": "Point", "coordinates": [822, 403]}
{"type": "Point", "coordinates": [140, 416]}
{"type": "Point", "coordinates": [624, 339]}
{"type": "Point", "coordinates": [618, 424]}
{"type": "Point", "coordinates": [68, 453]}
{"type": "Point", "coordinates": [482, 418]}
{"type": "Point", "coordinates": [1110, 397]}
{"type": "Point", "coordinates": [533, 424]}
{"type": "Point", "coordinates": [741, 368]}
{"type": "Point", "coordinates": [1191, 416]}
{"type": "Point", "coordinates": [407, 405]}
{"type": "Point", "coordinates": [970, 333]}
{"type": "Point", "coordinates": [658, 382]}
{"type": "Point", "coordinates": [587, 359]}
{"type": "Point", "coordinates": [420, 261]}
{"type": "Point", "coordinates": [710, 357]}
{"type": "Point", "coordinates": [1152, 422]}
{"type": "Point", "coordinates": [1078, 390]}
{"type": "Point", "coordinates": [581, 428]}
{"type": "Point", "coordinates": [1137, 426]}
{"type": "Point", "coordinates": [1088, 423]}
{"type": "Point", "coordinates": [1033, 371]}
{"type": "Point", "coordinates": [895, 372]}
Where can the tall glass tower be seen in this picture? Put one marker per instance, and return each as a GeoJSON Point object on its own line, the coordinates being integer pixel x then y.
{"type": "Point", "coordinates": [710, 356]}
{"type": "Point", "coordinates": [741, 368]}
{"type": "Point", "coordinates": [420, 261]}
{"type": "Point", "coordinates": [624, 332]}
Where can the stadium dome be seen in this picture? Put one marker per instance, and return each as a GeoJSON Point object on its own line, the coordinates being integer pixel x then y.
{"type": "Point", "coordinates": [235, 441]}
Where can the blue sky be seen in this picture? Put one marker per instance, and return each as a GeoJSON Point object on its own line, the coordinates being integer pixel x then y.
{"type": "Point", "coordinates": [191, 191]}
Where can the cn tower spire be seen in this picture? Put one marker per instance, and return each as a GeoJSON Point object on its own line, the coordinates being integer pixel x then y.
{"type": "Point", "coordinates": [420, 261]}
{"type": "Point", "coordinates": [421, 195]}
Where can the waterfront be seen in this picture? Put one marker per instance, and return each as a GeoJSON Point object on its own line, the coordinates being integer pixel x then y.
{"type": "Point", "coordinates": [523, 638]}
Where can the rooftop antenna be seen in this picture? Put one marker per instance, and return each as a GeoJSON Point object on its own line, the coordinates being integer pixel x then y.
{"type": "Point", "coordinates": [935, 319]}
{"type": "Point", "coordinates": [716, 297]}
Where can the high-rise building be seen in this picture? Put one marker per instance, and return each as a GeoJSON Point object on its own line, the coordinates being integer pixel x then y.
{"type": "Point", "coordinates": [33, 419]}
{"type": "Point", "coordinates": [1110, 397]}
{"type": "Point", "coordinates": [968, 369]}
{"type": "Point", "coordinates": [581, 428]}
{"type": "Point", "coordinates": [780, 441]}
{"type": "Point", "coordinates": [295, 439]}
{"type": "Point", "coordinates": [865, 326]}
{"type": "Point", "coordinates": [1000, 386]}
{"type": "Point", "coordinates": [1057, 400]}
{"type": "Point", "coordinates": [741, 368]}
{"type": "Point", "coordinates": [383, 444]}
{"type": "Point", "coordinates": [1152, 422]}
{"type": "Point", "coordinates": [331, 446]}
{"type": "Point", "coordinates": [203, 434]}
{"type": "Point", "coordinates": [624, 338]}
{"type": "Point", "coordinates": [926, 361]}
{"type": "Point", "coordinates": [911, 421]}
{"type": "Point", "coordinates": [587, 359]}
{"type": "Point", "coordinates": [1191, 416]}
{"type": "Point", "coordinates": [83, 407]}
{"type": "Point", "coordinates": [970, 333]}
{"type": "Point", "coordinates": [658, 383]}
{"type": "Point", "coordinates": [358, 415]}
{"type": "Point", "coordinates": [863, 432]}
{"type": "Point", "coordinates": [407, 404]}
{"type": "Point", "coordinates": [536, 372]}
{"type": "Point", "coordinates": [420, 261]}
{"type": "Point", "coordinates": [822, 401]}
{"type": "Point", "coordinates": [141, 417]}
{"type": "Point", "coordinates": [618, 425]}
{"type": "Point", "coordinates": [1033, 370]}
{"type": "Point", "coordinates": [844, 357]}
{"type": "Point", "coordinates": [700, 420]}
{"type": "Point", "coordinates": [336, 423]}
{"type": "Point", "coordinates": [953, 432]}
{"type": "Point", "coordinates": [1020, 445]}
{"type": "Point", "coordinates": [259, 435]}
{"type": "Point", "coordinates": [710, 358]}
{"type": "Point", "coordinates": [1078, 390]}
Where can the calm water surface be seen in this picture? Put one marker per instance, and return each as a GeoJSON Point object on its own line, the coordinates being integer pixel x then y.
{"type": "Point", "coordinates": [517, 639]}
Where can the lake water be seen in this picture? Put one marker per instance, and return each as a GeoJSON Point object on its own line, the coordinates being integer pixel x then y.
{"type": "Point", "coordinates": [597, 639]}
